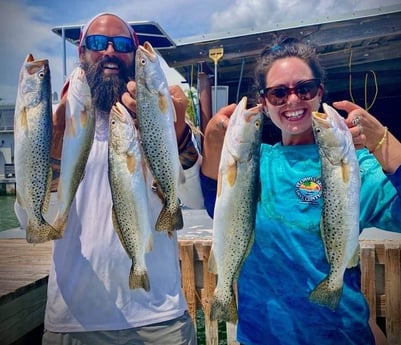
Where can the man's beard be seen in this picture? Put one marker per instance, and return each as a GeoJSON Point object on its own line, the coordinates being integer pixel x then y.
{"type": "Point", "coordinates": [107, 89]}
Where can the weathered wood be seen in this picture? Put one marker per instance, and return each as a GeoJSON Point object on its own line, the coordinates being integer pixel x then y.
{"type": "Point", "coordinates": [368, 279]}
{"type": "Point", "coordinates": [393, 292]}
{"type": "Point", "coordinates": [188, 276]}
{"type": "Point", "coordinates": [209, 284]}
{"type": "Point", "coordinates": [24, 269]}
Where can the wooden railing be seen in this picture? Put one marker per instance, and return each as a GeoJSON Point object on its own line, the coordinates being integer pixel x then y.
{"type": "Point", "coordinates": [381, 284]}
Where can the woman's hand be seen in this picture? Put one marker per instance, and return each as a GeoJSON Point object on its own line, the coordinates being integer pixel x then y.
{"type": "Point", "coordinates": [214, 139]}
{"type": "Point", "coordinates": [366, 130]}
{"type": "Point", "coordinates": [369, 132]}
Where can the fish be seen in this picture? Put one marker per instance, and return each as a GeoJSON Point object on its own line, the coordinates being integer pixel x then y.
{"type": "Point", "coordinates": [128, 183]}
{"type": "Point", "coordinates": [77, 142]}
{"type": "Point", "coordinates": [32, 138]}
{"type": "Point", "coordinates": [156, 116]}
{"type": "Point", "coordinates": [339, 223]}
{"type": "Point", "coordinates": [235, 207]}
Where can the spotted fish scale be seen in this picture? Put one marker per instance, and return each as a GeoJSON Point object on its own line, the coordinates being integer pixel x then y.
{"type": "Point", "coordinates": [339, 224]}
{"type": "Point", "coordinates": [77, 143]}
{"type": "Point", "coordinates": [234, 213]}
{"type": "Point", "coordinates": [127, 176]}
{"type": "Point", "coordinates": [32, 138]}
{"type": "Point", "coordinates": [156, 116]}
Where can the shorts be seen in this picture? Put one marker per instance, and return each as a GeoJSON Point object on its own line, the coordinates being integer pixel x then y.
{"type": "Point", "coordinates": [179, 331]}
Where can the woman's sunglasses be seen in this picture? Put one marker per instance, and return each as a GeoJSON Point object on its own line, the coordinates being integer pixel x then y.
{"type": "Point", "coordinates": [305, 90]}
{"type": "Point", "coordinates": [121, 44]}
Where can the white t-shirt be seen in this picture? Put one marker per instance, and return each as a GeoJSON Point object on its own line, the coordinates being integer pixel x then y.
{"type": "Point", "coordinates": [88, 281]}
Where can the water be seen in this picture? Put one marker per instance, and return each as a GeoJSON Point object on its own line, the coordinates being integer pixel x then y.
{"type": "Point", "coordinates": [8, 220]}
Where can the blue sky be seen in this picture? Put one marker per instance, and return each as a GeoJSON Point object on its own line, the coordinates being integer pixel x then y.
{"type": "Point", "coordinates": [25, 25]}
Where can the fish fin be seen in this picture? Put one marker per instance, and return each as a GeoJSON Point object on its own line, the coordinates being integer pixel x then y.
{"type": "Point", "coordinates": [219, 184]}
{"type": "Point", "coordinates": [169, 220]}
{"type": "Point", "coordinates": [60, 222]}
{"type": "Point", "coordinates": [24, 118]}
{"type": "Point", "coordinates": [163, 103]}
{"type": "Point", "coordinates": [224, 311]}
{"type": "Point", "coordinates": [83, 117]}
{"type": "Point", "coordinates": [181, 176]}
{"type": "Point", "coordinates": [322, 235]}
{"type": "Point", "coordinates": [231, 173]}
{"type": "Point", "coordinates": [212, 264]}
{"type": "Point", "coordinates": [246, 253]}
{"type": "Point", "coordinates": [325, 296]}
{"type": "Point", "coordinates": [138, 278]}
{"type": "Point", "coordinates": [131, 163]}
{"type": "Point", "coordinates": [20, 200]}
{"type": "Point", "coordinates": [116, 226]}
{"type": "Point", "coordinates": [149, 246]}
{"type": "Point", "coordinates": [70, 127]}
{"type": "Point", "coordinates": [345, 171]}
{"type": "Point", "coordinates": [355, 258]}
{"type": "Point", "coordinates": [39, 231]}
{"type": "Point", "coordinates": [46, 200]}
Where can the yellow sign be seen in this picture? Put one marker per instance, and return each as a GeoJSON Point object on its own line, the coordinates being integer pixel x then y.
{"type": "Point", "coordinates": [216, 54]}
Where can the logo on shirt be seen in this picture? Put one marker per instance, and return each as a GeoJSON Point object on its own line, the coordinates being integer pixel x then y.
{"type": "Point", "coordinates": [309, 189]}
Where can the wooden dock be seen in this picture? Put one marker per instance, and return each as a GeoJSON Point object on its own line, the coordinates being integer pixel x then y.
{"type": "Point", "coordinates": [24, 269]}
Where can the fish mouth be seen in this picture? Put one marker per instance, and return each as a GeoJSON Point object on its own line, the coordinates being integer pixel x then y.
{"type": "Point", "coordinates": [118, 111]}
{"type": "Point", "coordinates": [321, 118]}
{"type": "Point", "coordinates": [148, 50]}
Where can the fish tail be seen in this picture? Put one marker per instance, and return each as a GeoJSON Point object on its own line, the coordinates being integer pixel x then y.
{"type": "Point", "coordinates": [41, 232]}
{"type": "Point", "coordinates": [224, 309]}
{"type": "Point", "coordinates": [169, 220]}
{"type": "Point", "coordinates": [138, 279]}
{"type": "Point", "coordinates": [323, 295]}
{"type": "Point", "coordinates": [60, 223]}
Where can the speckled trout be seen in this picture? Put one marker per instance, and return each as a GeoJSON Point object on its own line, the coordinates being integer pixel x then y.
{"type": "Point", "coordinates": [234, 212]}
{"type": "Point", "coordinates": [156, 117]}
{"type": "Point", "coordinates": [340, 215]}
{"type": "Point", "coordinates": [127, 176]}
{"type": "Point", "coordinates": [32, 138]}
{"type": "Point", "coordinates": [77, 143]}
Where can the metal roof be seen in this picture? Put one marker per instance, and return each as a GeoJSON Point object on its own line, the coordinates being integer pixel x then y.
{"type": "Point", "coordinates": [365, 45]}
{"type": "Point", "coordinates": [145, 30]}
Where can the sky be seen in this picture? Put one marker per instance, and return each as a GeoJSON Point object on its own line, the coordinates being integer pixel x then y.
{"type": "Point", "coordinates": [26, 25]}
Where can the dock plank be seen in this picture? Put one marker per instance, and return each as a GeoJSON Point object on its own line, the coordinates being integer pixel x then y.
{"type": "Point", "coordinates": [24, 269]}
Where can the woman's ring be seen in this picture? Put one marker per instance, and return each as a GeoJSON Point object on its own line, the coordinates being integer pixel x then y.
{"type": "Point", "coordinates": [356, 120]}
{"type": "Point", "coordinates": [221, 123]}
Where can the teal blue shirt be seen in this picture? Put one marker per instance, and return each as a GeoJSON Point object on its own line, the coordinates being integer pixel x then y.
{"type": "Point", "coordinates": [287, 259]}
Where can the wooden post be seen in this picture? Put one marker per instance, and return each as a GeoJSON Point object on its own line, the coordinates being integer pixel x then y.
{"type": "Point", "coordinates": [188, 276]}
{"type": "Point", "coordinates": [209, 284]}
{"type": "Point", "coordinates": [368, 272]}
{"type": "Point", "coordinates": [393, 292]}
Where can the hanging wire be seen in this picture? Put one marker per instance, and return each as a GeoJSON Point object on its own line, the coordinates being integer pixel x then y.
{"type": "Point", "coordinates": [350, 76]}
{"type": "Point", "coordinates": [367, 107]}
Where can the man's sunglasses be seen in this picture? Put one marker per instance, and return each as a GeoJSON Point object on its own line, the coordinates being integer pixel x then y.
{"type": "Point", "coordinates": [305, 90]}
{"type": "Point", "coordinates": [121, 44]}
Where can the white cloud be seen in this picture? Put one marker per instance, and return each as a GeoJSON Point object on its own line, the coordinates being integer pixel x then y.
{"type": "Point", "coordinates": [25, 25]}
